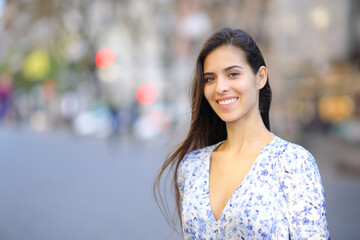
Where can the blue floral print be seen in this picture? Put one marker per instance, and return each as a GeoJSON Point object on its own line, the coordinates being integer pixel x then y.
{"type": "Point", "coordinates": [281, 197]}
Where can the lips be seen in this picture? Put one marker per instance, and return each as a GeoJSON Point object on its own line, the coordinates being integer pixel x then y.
{"type": "Point", "coordinates": [226, 101]}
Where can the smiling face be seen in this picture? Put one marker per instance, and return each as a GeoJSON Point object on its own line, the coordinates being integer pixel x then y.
{"type": "Point", "coordinates": [231, 87]}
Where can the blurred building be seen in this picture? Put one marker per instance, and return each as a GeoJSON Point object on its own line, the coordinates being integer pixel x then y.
{"type": "Point", "coordinates": [50, 80]}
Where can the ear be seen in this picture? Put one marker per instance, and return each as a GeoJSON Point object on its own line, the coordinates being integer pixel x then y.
{"type": "Point", "coordinates": [261, 77]}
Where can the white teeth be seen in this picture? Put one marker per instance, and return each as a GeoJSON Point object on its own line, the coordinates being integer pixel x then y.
{"type": "Point", "coordinates": [227, 101]}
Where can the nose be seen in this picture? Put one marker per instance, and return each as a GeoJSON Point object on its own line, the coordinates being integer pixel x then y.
{"type": "Point", "coordinates": [222, 85]}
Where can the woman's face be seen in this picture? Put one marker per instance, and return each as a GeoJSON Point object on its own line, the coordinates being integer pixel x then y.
{"type": "Point", "coordinates": [231, 87]}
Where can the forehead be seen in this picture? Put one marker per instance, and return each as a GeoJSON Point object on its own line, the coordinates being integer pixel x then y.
{"type": "Point", "coordinates": [224, 56]}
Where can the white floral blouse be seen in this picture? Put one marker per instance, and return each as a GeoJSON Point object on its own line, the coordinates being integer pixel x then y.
{"type": "Point", "coordinates": [281, 197]}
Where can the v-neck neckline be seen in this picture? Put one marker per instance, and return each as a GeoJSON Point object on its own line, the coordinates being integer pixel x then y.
{"type": "Point", "coordinates": [208, 159]}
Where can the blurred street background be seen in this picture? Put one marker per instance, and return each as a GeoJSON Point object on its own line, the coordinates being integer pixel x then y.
{"type": "Point", "coordinates": [95, 94]}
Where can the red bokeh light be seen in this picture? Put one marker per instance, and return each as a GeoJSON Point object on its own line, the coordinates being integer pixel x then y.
{"type": "Point", "coordinates": [49, 89]}
{"type": "Point", "coordinates": [105, 57]}
{"type": "Point", "coordinates": [146, 94]}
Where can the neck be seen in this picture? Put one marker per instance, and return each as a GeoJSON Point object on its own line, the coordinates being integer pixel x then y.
{"type": "Point", "coordinates": [247, 134]}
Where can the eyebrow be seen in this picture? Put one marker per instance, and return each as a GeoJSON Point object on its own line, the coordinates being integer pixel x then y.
{"type": "Point", "coordinates": [225, 69]}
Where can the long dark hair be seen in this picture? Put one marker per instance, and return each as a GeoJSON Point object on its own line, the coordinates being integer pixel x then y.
{"type": "Point", "coordinates": [206, 127]}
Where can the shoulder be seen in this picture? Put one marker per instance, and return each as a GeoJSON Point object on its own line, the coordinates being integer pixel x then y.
{"type": "Point", "coordinates": [294, 159]}
{"type": "Point", "coordinates": [289, 151]}
{"type": "Point", "coordinates": [190, 164]}
{"type": "Point", "coordinates": [194, 159]}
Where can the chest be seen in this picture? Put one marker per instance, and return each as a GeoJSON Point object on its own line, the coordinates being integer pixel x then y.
{"type": "Point", "coordinates": [258, 197]}
{"type": "Point", "coordinates": [226, 174]}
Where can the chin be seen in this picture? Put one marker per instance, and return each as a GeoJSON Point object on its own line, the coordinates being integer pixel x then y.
{"type": "Point", "coordinates": [229, 119]}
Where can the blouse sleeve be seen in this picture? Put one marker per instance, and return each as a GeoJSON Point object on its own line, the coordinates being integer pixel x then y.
{"type": "Point", "coordinates": [304, 195]}
{"type": "Point", "coordinates": [181, 173]}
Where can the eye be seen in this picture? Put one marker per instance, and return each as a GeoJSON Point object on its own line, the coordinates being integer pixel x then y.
{"type": "Point", "coordinates": [209, 79]}
{"type": "Point", "coordinates": [233, 74]}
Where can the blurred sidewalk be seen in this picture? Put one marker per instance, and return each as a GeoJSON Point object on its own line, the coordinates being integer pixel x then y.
{"type": "Point", "coordinates": [57, 186]}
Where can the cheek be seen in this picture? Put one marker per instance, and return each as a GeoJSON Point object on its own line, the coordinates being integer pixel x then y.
{"type": "Point", "coordinates": [247, 87]}
{"type": "Point", "coordinates": [207, 93]}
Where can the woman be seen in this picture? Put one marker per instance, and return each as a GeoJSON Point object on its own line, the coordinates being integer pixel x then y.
{"type": "Point", "coordinates": [233, 178]}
